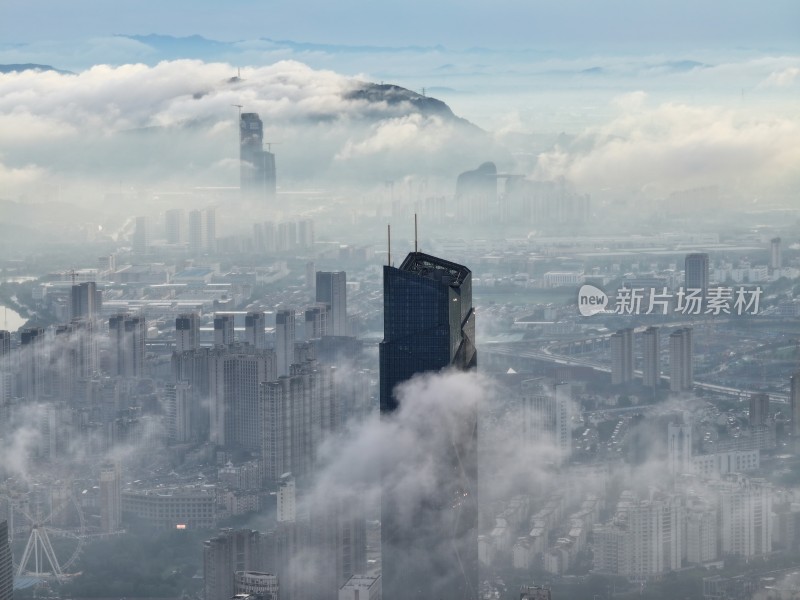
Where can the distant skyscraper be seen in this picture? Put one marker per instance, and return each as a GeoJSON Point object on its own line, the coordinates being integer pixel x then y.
{"type": "Point", "coordinates": [286, 236]}
{"type": "Point", "coordinates": [311, 278]}
{"type": "Point", "coordinates": [794, 405]}
{"type": "Point", "coordinates": [178, 406]}
{"type": "Point", "coordinates": [83, 300]}
{"type": "Point", "coordinates": [759, 409]}
{"type": "Point", "coordinates": [110, 498]}
{"type": "Point", "coordinates": [173, 225]}
{"type": "Point", "coordinates": [429, 324]}
{"type": "Point", "coordinates": [223, 330]}
{"type": "Point", "coordinates": [679, 448]}
{"type": "Point", "coordinates": [127, 337]}
{"type": "Point", "coordinates": [745, 508]}
{"type": "Point", "coordinates": [546, 416]}
{"type": "Point", "coordinates": [291, 440]}
{"type": "Point", "coordinates": [32, 362]}
{"type": "Point", "coordinates": [284, 340]}
{"type": "Point", "coordinates": [648, 542]}
{"type": "Point", "coordinates": [696, 272]}
{"type": "Point", "coordinates": [305, 234]}
{"type": "Point", "coordinates": [651, 368]}
{"type": "Point", "coordinates": [316, 322]}
{"type": "Point", "coordinates": [196, 232]}
{"type": "Point", "coordinates": [255, 332]}
{"type": "Point", "coordinates": [210, 231]}
{"type": "Point", "coordinates": [476, 195]}
{"type": "Point", "coordinates": [187, 332]}
{"type": "Point", "coordinates": [235, 373]}
{"type": "Point", "coordinates": [622, 356]}
{"type": "Point", "coordinates": [7, 374]}
{"type": "Point", "coordinates": [775, 259]}
{"type": "Point", "coordinates": [258, 177]}
{"type": "Point", "coordinates": [332, 290]}
{"type": "Point", "coordinates": [681, 360]}
{"type": "Point", "coordinates": [6, 564]}
{"type": "Point", "coordinates": [141, 236]}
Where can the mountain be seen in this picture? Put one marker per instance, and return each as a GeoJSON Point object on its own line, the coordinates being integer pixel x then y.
{"type": "Point", "coordinates": [31, 67]}
{"type": "Point", "coordinates": [394, 95]}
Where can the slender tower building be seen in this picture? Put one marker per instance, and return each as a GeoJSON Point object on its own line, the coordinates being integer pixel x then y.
{"type": "Point", "coordinates": [257, 165]}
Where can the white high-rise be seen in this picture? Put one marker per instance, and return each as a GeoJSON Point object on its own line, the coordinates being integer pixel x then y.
{"type": "Point", "coordinates": [235, 373]}
{"type": "Point", "coordinates": [645, 540]}
{"type": "Point", "coordinates": [546, 416]}
{"type": "Point", "coordinates": [745, 512]}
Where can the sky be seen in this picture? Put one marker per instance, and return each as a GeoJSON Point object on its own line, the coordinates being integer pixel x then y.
{"type": "Point", "coordinates": [457, 24]}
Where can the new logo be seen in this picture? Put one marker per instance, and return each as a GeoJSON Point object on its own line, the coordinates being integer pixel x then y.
{"type": "Point", "coordinates": [591, 300]}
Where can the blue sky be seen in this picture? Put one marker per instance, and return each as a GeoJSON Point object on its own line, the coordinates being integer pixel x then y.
{"type": "Point", "coordinates": [582, 24]}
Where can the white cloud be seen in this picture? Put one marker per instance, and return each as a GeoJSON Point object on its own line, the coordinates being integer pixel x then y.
{"type": "Point", "coordinates": [677, 146]}
{"type": "Point", "coordinates": [782, 78]}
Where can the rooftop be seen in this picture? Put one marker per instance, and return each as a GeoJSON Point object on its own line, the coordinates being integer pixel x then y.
{"type": "Point", "coordinates": [435, 268]}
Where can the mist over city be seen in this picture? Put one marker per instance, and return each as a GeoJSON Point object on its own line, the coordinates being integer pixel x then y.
{"type": "Point", "coordinates": [404, 301]}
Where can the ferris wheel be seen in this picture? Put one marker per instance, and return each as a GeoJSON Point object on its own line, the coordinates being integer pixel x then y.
{"type": "Point", "coordinates": [41, 557]}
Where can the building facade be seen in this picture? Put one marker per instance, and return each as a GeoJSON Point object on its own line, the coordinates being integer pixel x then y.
{"type": "Point", "coordinates": [696, 269]}
{"type": "Point", "coordinates": [257, 166]}
{"type": "Point", "coordinates": [651, 364]}
{"type": "Point", "coordinates": [622, 356]}
{"type": "Point", "coordinates": [429, 325]}
{"type": "Point", "coordinates": [331, 289]}
{"type": "Point", "coordinates": [681, 360]}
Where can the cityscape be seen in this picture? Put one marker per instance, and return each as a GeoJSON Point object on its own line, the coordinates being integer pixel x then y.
{"type": "Point", "coordinates": [273, 332]}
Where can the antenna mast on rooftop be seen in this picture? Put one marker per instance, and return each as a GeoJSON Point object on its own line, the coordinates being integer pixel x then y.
{"type": "Point", "coordinates": [415, 233]}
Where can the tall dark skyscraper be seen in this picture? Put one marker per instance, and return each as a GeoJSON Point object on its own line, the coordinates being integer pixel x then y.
{"type": "Point", "coordinates": [696, 272]}
{"type": "Point", "coordinates": [258, 180]}
{"type": "Point", "coordinates": [429, 324]}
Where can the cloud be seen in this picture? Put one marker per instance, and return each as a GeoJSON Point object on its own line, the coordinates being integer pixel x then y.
{"type": "Point", "coordinates": [676, 146]}
{"type": "Point", "coordinates": [175, 124]}
{"type": "Point", "coordinates": [783, 78]}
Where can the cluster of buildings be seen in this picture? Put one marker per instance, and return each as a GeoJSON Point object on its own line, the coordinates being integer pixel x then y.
{"type": "Point", "coordinates": [648, 537]}
{"type": "Point", "coordinates": [681, 358]}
